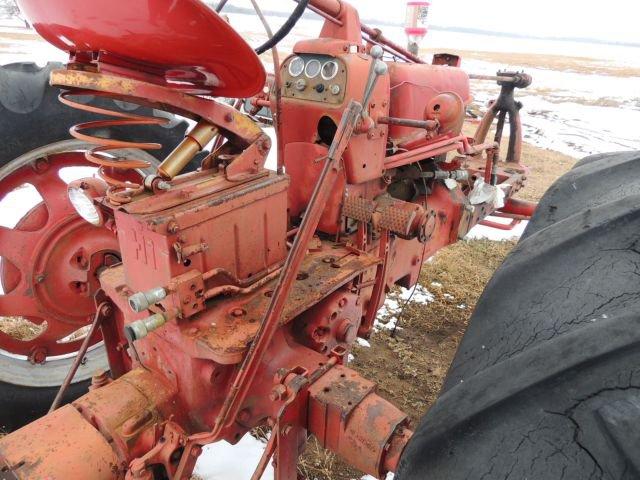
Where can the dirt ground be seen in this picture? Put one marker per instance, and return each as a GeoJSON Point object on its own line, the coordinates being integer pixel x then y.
{"type": "Point", "coordinates": [423, 350]}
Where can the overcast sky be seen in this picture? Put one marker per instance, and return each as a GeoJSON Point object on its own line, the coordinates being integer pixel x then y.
{"type": "Point", "coordinates": [611, 20]}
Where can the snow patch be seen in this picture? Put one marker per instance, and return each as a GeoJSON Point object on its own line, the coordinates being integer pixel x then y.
{"type": "Point", "coordinates": [387, 317]}
{"type": "Point", "coordinates": [222, 461]}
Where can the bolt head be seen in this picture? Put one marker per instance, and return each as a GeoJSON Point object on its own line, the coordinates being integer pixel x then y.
{"type": "Point", "coordinates": [278, 392]}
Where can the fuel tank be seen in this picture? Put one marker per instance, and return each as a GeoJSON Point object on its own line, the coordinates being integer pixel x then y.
{"type": "Point", "coordinates": [414, 86]}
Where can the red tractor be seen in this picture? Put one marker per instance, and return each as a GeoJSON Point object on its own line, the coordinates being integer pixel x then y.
{"type": "Point", "coordinates": [229, 297]}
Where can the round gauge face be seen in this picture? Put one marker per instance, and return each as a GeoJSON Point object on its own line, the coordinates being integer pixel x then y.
{"type": "Point", "coordinates": [330, 70]}
{"type": "Point", "coordinates": [296, 66]}
{"type": "Point", "coordinates": [313, 68]}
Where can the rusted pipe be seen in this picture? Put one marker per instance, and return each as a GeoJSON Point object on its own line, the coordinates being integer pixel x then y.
{"type": "Point", "coordinates": [104, 310]}
{"type": "Point", "coordinates": [238, 281]}
{"type": "Point", "coordinates": [237, 290]}
{"type": "Point", "coordinates": [434, 149]}
{"type": "Point", "coordinates": [428, 125]}
{"type": "Point", "coordinates": [494, 78]}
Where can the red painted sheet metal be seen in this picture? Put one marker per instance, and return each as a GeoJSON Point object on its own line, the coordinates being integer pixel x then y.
{"type": "Point", "coordinates": [182, 41]}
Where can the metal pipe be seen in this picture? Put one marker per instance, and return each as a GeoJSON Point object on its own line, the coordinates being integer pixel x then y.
{"type": "Point", "coordinates": [408, 122]}
{"type": "Point", "coordinates": [277, 83]}
{"type": "Point", "coordinates": [427, 151]}
{"type": "Point", "coordinates": [237, 290]}
{"type": "Point", "coordinates": [324, 15]}
{"type": "Point", "coordinates": [237, 281]}
{"type": "Point", "coordinates": [104, 310]}
{"type": "Point", "coordinates": [494, 78]}
{"type": "Point", "coordinates": [519, 207]}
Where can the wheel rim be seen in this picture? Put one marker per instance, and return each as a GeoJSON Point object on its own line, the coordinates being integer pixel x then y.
{"type": "Point", "coordinates": [48, 272]}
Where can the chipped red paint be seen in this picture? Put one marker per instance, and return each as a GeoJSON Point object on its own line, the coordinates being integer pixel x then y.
{"type": "Point", "coordinates": [267, 279]}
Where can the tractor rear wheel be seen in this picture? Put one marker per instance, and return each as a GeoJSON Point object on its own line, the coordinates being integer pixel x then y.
{"type": "Point", "coordinates": [546, 382]}
{"type": "Point", "coordinates": [34, 153]}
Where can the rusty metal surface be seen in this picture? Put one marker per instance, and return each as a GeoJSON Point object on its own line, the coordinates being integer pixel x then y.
{"type": "Point", "coordinates": [268, 280]}
{"type": "Point", "coordinates": [74, 449]}
{"type": "Point", "coordinates": [347, 416]}
{"type": "Point", "coordinates": [163, 98]}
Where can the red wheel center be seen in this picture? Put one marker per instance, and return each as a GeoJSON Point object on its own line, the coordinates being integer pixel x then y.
{"type": "Point", "coordinates": [50, 261]}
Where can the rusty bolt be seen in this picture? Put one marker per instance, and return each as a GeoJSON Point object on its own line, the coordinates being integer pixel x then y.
{"type": "Point", "coordinates": [38, 355]}
{"type": "Point", "coordinates": [244, 416]}
{"type": "Point", "coordinates": [238, 312]}
{"type": "Point", "coordinates": [40, 278]}
{"type": "Point", "coordinates": [279, 392]}
{"type": "Point", "coordinates": [107, 310]}
{"type": "Point", "coordinates": [342, 302]}
{"type": "Point", "coordinates": [280, 375]}
{"type": "Point", "coordinates": [173, 228]}
{"type": "Point", "coordinates": [99, 379]}
{"type": "Point", "coordinates": [41, 165]}
{"type": "Point", "coordinates": [347, 332]}
{"type": "Point", "coordinates": [228, 117]}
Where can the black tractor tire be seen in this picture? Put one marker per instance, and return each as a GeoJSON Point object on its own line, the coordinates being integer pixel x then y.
{"type": "Point", "coordinates": [546, 382]}
{"type": "Point", "coordinates": [593, 181]}
{"type": "Point", "coordinates": [31, 116]}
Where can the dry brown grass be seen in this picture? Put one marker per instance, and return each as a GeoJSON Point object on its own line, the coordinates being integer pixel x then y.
{"type": "Point", "coordinates": [423, 350]}
{"type": "Point", "coordinates": [20, 328]}
{"type": "Point", "coordinates": [545, 61]}
{"type": "Point", "coordinates": [16, 35]}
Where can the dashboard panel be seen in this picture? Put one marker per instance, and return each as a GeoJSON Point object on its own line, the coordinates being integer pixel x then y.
{"type": "Point", "coordinates": [315, 78]}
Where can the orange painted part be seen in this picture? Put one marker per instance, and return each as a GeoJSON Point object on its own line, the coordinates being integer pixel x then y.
{"type": "Point", "coordinates": [414, 86]}
{"type": "Point", "coordinates": [249, 218]}
{"type": "Point", "coordinates": [60, 446]}
{"type": "Point", "coordinates": [128, 410]}
{"type": "Point", "coordinates": [216, 241]}
{"type": "Point", "coordinates": [348, 418]}
{"type": "Point", "coordinates": [124, 85]}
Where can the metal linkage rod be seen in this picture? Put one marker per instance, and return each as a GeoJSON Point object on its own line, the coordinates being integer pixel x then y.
{"type": "Point", "coordinates": [104, 310]}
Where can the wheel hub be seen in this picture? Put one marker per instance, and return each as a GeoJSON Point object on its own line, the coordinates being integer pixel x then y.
{"type": "Point", "coordinates": [50, 262]}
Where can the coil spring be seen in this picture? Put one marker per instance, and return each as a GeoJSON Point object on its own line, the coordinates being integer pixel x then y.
{"type": "Point", "coordinates": [119, 192]}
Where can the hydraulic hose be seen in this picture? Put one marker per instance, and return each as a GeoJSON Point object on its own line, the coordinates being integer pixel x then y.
{"type": "Point", "coordinates": [285, 29]}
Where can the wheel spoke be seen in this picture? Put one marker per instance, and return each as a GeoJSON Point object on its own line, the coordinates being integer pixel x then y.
{"type": "Point", "coordinates": [17, 246]}
{"type": "Point", "coordinates": [53, 191]}
{"type": "Point", "coordinates": [16, 305]}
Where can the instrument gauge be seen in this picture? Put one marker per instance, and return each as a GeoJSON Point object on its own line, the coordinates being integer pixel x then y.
{"type": "Point", "coordinates": [296, 66]}
{"type": "Point", "coordinates": [312, 70]}
{"type": "Point", "coordinates": [330, 70]}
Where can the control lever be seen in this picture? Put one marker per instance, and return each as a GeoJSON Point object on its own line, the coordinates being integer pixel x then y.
{"type": "Point", "coordinates": [377, 69]}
